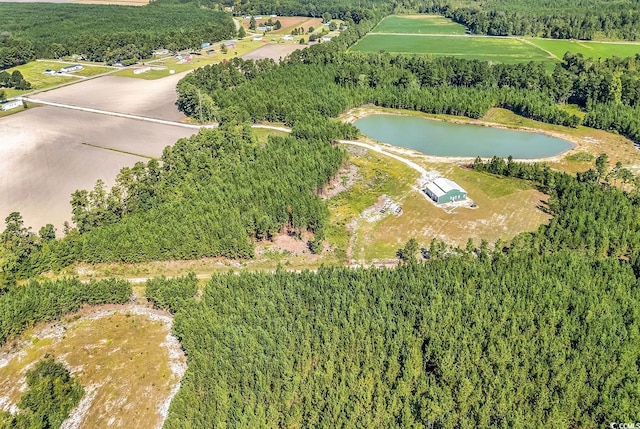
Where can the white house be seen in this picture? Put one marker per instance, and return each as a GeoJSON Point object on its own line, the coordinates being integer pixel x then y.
{"type": "Point", "coordinates": [71, 69]}
{"type": "Point", "coordinates": [257, 39]}
{"type": "Point", "coordinates": [11, 104]}
{"type": "Point", "coordinates": [288, 37]}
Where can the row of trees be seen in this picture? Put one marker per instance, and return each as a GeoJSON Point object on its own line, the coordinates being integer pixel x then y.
{"type": "Point", "coordinates": [22, 306]}
{"type": "Point", "coordinates": [105, 33]}
{"type": "Point", "coordinates": [564, 19]}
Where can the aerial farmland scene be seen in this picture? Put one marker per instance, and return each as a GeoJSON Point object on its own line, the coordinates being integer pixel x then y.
{"type": "Point", "coordinates": [337, 214]}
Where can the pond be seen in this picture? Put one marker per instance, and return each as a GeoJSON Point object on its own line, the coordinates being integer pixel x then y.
{"type": "Point", "coordinates": [450, 139]}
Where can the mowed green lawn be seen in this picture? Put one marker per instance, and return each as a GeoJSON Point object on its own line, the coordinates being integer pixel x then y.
{"type": "Point", "coordinates": [33, 73]}
{"type": "Point", "coordinates": [504, 50]}
{"type": "Point", "coordinates": [588, 49]}
{"type": "Point", "coordinates": [418, 24]}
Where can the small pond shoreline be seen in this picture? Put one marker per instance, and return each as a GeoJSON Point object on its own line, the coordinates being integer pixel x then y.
{"type": "Point", "coordinates": [353, 115]}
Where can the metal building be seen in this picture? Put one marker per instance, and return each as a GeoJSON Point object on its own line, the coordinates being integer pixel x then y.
{"type": "Point", "coordinates": [443, 190]}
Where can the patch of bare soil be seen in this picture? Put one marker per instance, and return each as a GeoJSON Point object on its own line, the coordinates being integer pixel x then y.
{"type": "Point", "coordinates": [343, 180]}
{"type": "Point", "coordinates": [273, 51]}
{"type": "Point", "coordinates": [383, 207]}
{"type": "Point", "coordinates": [125, 356]}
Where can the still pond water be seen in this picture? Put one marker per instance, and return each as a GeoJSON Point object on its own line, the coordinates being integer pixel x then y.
{"type": "Point", "coordinates": [449, 139]}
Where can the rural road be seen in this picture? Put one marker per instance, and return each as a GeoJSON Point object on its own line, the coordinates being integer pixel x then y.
{"type": "Point", "coordinates": [116, 114]}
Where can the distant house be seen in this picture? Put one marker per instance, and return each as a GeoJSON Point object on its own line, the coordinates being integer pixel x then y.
{"type": "Point", "coordinates": [205, 45]}
{"type": "Point", "coordinates": [443, 190]}
{"type": "Point", "coordinates": [326, 39]}
{"type": "Point", "coordinates": [257, 39]}
{"type": "Point", "coordinates": [257, 17]}
{"type": "Point", "coordinates": [71, 69]}
{"type": "Point", "coordinates": [50, 72]}
{"type": "Point", "coordinates": [273, 15]}
{"type": "Point", "coordinates": [288, 37]}
{"type": "Point", "coordinates": [211, 51]}
{"type": "Point", "coordinates": [12, 104]}
{"type": "Point", "coordinates": [265, 27]}
{"type": "Point", "coordinates": [161, 52]}
{"type": "Point", "coordinates": [230, 44]}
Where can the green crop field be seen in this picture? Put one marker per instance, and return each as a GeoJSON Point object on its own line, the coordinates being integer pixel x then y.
{"type": "Point", "coordinates": [418, 24]}
{"type": "Point", "coordinates": [588, 49]}
{"type": "Point", "coordinates": [504, 50]}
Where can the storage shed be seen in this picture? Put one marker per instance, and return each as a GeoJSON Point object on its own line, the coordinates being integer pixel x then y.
{"type": "Point", "coordinates": [443, 190]}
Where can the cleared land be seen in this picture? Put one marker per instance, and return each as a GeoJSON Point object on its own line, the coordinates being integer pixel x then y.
{"type": "Point", "coordinates": [33, 72]}
{"type": "Point", "coordinates": [123, 356]}
{"type": "Point", "coordinates": [418, 24]}
{"type": "Point", "coordinates": [504, 50]}
{"type": "Point", "coordinates": [44, 157]}
{"type": "Point", "coordinates": [275, 52]}
{"type": "Point", "coordinates": [588, 49]}
{"type": "Point", "coordinates": [155, 99]}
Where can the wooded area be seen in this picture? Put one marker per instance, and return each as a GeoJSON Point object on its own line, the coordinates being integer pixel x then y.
{"type": "Point", "coordinates": [104, 33]}
{"type": "Point", "coordinates": [538, 332]}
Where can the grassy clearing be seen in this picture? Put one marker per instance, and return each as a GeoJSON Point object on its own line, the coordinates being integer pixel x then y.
{"type": "Point", "coordinates": [33, 72]}
{"type": "Point", "coordinates": [588, 49]}
{"type": "Point", "coordinates": [504, 50]}
{"type": "Point", "coordinates": [419, 24]}
{"type": "Point", "coordinates": [117, 357]}
{"type": "Point", "coordinates": [506, 207]}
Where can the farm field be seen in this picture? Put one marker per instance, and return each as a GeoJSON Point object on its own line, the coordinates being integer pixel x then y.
{"type": "Point", "coordinates": [587, 48]}
{"type": "Point", "coordinates": [54, 151]}
{"type": "Point", "coordinates": [273, 51]}
{"type": "Point", "coordinates": [33, 72]}
{"type": "Point", "coordinates": [505, 50]}
{"type": "Point", "coordinates": [152, 98]}
{"type": "Point", "coordinates": [418, 24]}
{"type": "Point", "coordinates": [122, 355]}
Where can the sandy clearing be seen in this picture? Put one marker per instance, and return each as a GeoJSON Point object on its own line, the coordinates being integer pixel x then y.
{"type": "Point", "coordinates": [152, 98]}
{"type": "Point", "coordinates": [154, 379]}
{"type": "Point", "coordinates": [41, 165]}
{"type": "Point", "coordinates": [275, 52]}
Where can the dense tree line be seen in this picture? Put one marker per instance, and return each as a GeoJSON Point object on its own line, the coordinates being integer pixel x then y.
{"type": "Point", "coordinates": [23, 306]}
{"type": "Point", "coordinates": [51, 395]}
{"type": "Point", "coordinates": [14, 52]}
{"type": "Point", "coordinates": [352, 12]}
{"type": "Point", "coordinates": [563, 19]}
{"type": "Point", "coordinates": [508, 341]}
{"type": "Point", "coordinates": [105, 33]}
{"type": "Point", "coordinates": [171, 294]}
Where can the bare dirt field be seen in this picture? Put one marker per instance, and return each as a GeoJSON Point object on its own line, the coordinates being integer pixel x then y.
{"type": "Point", "coordinates": [152, 98]}
{"type": "Point", "coordinates": [43, 158]}
{"type": "Point", "coordinates": [275, 52]}
{"type": "Point", "coordinates": [123, 355]}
